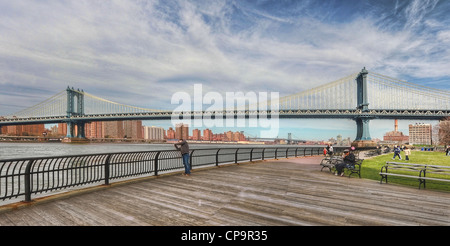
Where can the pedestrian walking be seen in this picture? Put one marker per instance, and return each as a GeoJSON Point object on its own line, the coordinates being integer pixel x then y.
{"type": "Point", "coordinates": [184, 149]}
{"type": "Point", "coordinates": [397, 152]}
{"type": "Point", "coordinates": [407, 153]}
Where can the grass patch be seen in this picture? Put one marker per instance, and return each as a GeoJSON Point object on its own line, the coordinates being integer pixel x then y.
{"type": "Point", "coordinates": [371, 168]}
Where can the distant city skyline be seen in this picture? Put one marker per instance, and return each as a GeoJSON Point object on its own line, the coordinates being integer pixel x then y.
{"type": "Point", "coordinates": [148, 130]}
{"type": "Point", "coordinates": [311, 129]}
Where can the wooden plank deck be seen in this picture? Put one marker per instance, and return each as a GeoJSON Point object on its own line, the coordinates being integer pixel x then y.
{"type": "Point", "coordinates": [281, 192]}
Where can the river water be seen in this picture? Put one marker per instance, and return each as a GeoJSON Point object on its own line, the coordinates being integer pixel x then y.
{"type": "Point", "coordinates": [25, 150]}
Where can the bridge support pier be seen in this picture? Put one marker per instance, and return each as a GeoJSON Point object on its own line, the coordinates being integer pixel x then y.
{"type": "Point", "coordinates": [362, 129]}
{"type": "Point", "coordinates": [69, 129]}
{"type": "Point", "coordinates": [80, 129]}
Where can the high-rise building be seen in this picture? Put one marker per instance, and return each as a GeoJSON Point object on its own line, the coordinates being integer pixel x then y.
{"type": "Point", "coordinates": [229, 136]}
{"type": "Point", "coordinates": [182, 131]}
{"type": "Point", "coordinates": [24, 130]}
{"type": "Point", "coordinates": [62, 129]}
{"type": "Point", "coordinates": [133, 129]}
{"type": "Point", "coordinates": [153, 133]}
{"type": "Point", "coordinates": [207, 135]}
{"type": "Point", "coordinates": [113, 129]}
{"type": "Point", "coordinates": [420, 134]}
{"type": "Point", "coordinates": [94, 129]}
{"type": "Point", "coordinates": [196, 134]}
{"type": "Point", "coordinates": [339, 140]}
{"type": "Point", "coordinates": [170, 133]}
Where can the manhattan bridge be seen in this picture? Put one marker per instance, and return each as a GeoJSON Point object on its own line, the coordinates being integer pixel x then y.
{"type": "Point", "coordinates": [361, 96]}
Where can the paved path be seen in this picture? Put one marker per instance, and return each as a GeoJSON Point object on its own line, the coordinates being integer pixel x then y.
{"type": "Point", "coordinates": [281, 192]}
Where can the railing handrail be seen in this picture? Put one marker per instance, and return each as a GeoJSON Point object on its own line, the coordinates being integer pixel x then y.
{"type": "Point", "coordinates": [139, 151]}
{"type": "Point", "coordinates": [25, 176]}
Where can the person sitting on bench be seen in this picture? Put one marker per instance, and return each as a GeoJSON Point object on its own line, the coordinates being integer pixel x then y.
{"type": "Point", "coordinates": [349, 160]}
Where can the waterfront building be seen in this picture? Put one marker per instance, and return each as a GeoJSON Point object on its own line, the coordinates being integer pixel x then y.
{"type": "Point", "coordinates": [24, 130]}
{"type": "Point", "coordinates": [62, 129]}
{"type": "Point", "coordinates": [182, 131]}
{"type": "Point", "coordinates": [229, 136]}
{"type": "Point", "coordinates": [113, 129]}
{"type": "Point", "coordinates": [207, 135]}
{"type": "Point", "coordinates": [395, 137]}
{"type": "Point", "coordinates": [132, 129]}
{"type": "Point", "coordinates": [170, 133]}
{"type": "Point", "coordinates": [196, 134]}
{"type": "Point", "coordinates": [420, 134]}
{"type": "Point", "coordinates": [94, 129]}
{"type": "Point", "coordinates": [153, 133]}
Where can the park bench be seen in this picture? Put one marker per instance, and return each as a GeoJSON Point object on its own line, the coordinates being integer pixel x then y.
{"type": "Point", "coordinates": [330, 162]}
{"type": "Point", "coordinates": [356, 169]}
{"type": "Point", "coordinates": [415, 171]}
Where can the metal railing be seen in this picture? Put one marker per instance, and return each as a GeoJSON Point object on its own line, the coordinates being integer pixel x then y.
{"type": "Point", "coordinates": [24, 177]}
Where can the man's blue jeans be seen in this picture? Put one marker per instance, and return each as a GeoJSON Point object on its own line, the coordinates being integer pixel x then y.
{"type": "Point", "coordinates": [187, 167]}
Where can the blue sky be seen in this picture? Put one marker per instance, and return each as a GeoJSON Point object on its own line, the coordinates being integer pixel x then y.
{"type": "Point", "coordinates": [142, 52]}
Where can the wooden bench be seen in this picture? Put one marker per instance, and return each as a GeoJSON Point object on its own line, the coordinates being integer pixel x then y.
{"type": "Point", "coordinates": [330, 163]}
{"type": "Point", "coordinates": [415, 171]}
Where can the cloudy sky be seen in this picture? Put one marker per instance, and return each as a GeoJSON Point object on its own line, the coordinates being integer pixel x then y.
{"type": "Point", "coordinates": [142, 52]}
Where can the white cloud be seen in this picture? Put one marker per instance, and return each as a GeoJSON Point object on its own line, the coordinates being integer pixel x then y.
{"type": "Point", "coordinates": [147, 50]}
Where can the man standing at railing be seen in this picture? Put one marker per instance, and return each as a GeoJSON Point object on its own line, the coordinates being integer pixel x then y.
{"type": "Point", "coordinates": [184, 149]}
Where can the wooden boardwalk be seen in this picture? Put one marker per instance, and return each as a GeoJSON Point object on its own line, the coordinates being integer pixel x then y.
{"type": "Point", "coordinates": [281, 192]}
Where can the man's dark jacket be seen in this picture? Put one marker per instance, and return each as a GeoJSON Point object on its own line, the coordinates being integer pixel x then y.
{"type": "Point", "coordinates": [184, 147]}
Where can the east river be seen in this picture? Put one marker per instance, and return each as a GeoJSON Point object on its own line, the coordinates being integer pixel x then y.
{"type": "Point", "coordinates": [25, 150]}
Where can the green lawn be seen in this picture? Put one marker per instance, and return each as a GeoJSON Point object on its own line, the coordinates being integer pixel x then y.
{"type": "Point", "coordinates": [371, 168]}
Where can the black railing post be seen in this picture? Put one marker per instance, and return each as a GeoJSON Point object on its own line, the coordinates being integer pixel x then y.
{"type": "Point", "coordinates": [251, 155]}
{"type": "Point", "coordinates": [107, 169]}
{"type": "Point", "coordinates": [296, 151]}
{"type": "Point", "coordinates": [287, 149]}
{"type": "Point", "coordinates": [236, 156]}
{"type": "Point", "coordinates": [156, 162]}
{"type": "Point", "coordinates": [190, 159]}
{"type": "Point", "coordinates": [217, 158]}
{"type": "Point", "coordinates": [28, 181]}
{"type": "Point", "coordinates": [262, 155]}
{"type": "Point", "coordinates": [276, 153]}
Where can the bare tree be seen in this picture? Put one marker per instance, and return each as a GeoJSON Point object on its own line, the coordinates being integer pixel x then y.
{"type": "Point", "coordinates": [444, 131]}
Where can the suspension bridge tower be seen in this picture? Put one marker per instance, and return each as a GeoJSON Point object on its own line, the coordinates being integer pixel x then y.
{"type": "Point", "coordinates": [363, 138]}
{"type": "Point", "coordinates": [75, 107]}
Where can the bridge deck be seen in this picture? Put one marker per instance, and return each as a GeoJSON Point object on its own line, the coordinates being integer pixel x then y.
{"type": "Point", "coordinates": [283, 192]}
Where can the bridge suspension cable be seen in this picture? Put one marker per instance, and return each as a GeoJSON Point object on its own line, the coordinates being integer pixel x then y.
{"type": "Point", "coordinates": [339, 94]}
{"type": "Point", "coordinates": [97, 105]}
{"type": "Point", "coordinates": [53, 106]}
{"type": "Point", "coordinates": [389, 93]}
